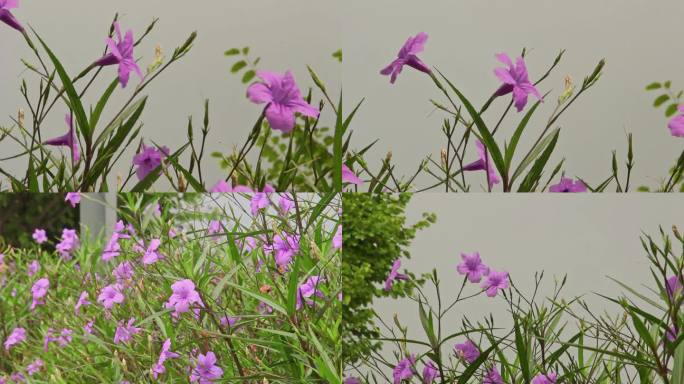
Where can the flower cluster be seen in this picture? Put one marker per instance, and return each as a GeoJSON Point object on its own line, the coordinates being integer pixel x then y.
{"type": "Point", "coordinates": [202, 311]}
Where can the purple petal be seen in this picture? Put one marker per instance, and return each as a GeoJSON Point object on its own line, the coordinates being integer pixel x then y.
{"type": "Point", "coordinates": [280, 117]}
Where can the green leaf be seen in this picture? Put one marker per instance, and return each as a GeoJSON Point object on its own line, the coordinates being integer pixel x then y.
{"type": "Point", "coordinates": [510, 150]}
{"type": "Point", "coordinates": [654, 85]}
{"type": "Point", "coordinates": [642, 330]}
{"type": "Point", "coordinates": [671, 110]}
{"type": "Point", "coordinates": [74, 100]}
{"type": "Point", "coordinates": [660, 100]}
{"type": "Point", "coordinates": [337, 148]}
{"type": "Point", "coordinates": [521, 349]}
{"type": "Point", "coordinates": [95, 115]}
{"type": "Point", "coordinates": [232, 52]}
{"type": "Point", "coordinates": [238, 66]}
{"type": "Point", "coordinates": [535, 173]}
{"type": "Point", "coordinates": [485, 134]}
{"type": "Point", "coordinates": [248, 76]}
{"type": "Point", "coordinates": [532, 155]}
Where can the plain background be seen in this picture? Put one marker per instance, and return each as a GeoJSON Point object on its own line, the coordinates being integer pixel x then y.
{"type": "Point", "coordinates": [285, 34]}
{"type": "Point", "coordinates": [640, 40]}
{"type": "Point", "coordinates": [586, 237]}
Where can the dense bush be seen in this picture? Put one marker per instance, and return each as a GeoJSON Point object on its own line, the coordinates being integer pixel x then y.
{"type": "Point", "coordinates": [215, 288]}
{"type": "Point", "coordinates": [375, 235]}
{"type": "Point", "coordinates": [21, 213]}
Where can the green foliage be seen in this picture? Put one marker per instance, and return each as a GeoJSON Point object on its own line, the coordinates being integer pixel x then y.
{"type": "Point", "coordinates": [21, 213]}
{"type": "Point", "coordinates": [271, 339]}
{"type": "Point", "coordinates": [375, 235]}
{"type": "Point", "coordinates": [665, 96]}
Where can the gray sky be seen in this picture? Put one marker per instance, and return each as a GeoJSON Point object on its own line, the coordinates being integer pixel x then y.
{"type": "Point", "coordinates": [641, 41]}
{"type": "Point", "coordinates": [286, 35]}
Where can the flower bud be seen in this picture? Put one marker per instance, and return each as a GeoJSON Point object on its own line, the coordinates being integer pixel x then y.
{"type": "Point", "coordinates": [443, 155]}
{"type": "Point", "coordinates": [567, 91]}
{"type": "Point", "coordinates": [20, 117]}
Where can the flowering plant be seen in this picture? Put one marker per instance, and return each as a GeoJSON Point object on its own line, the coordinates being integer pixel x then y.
{"type": "Point", "coordinates": [504, 163]}
{"type": "Point", "coordinates": [311, 160]}
{"type": "Point", "coordinates": [205, 288]}
{"type": "Point", "coordinates": [545, 340]}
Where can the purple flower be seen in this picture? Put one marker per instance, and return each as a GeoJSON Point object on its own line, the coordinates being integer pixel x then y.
{"type": "Point", "coordinates": [352, 380]}
{"type": "Point", "coordinates": [485, 162]}
{"type": "Point", "coordinates": [68, 243]}
{"type": "Point", "coordinates": [206, 370]}
{"type": "Point", "coordinates": [222, 186]}
{"type": "Point", "coordinates": [671, 334]}
{"type": "Point", "coordinates": [394, 275]}
{"type": "Point", "coordinates": [264, 308]}
{"type": "Point", "coordinates": [164, 355]}
{"type": "Point", "coordinates": [309, 289]}
{"type": "Point", "coordinates": [515, 80]}
{"type": "Point", "coordinates": [283, 98]}
{"type": "Point", "coordinates": [286, 203]}
{"type": "Point", "coordinates": [348, 176]}
{"type": "Point", "coordinates": [73, 198]}
{"type": "Point", "coordinates": [337, 239]}
{"type": "Point", "coordinates": [260, 200]}
{"type": "Point", "coordinates": [112, 249]}
{"type": "Point", "coordinates": [68, 139]}
{"type": "Point", "coordinates": [88, 328]}
{"type": "Point", "coordinates": [35, 367]}
{"type": "Point", "coordinates": [65, 337]}
{"type": "Point", "coordinates": [151, 255]}
{"type": "Point", "coordinates": [404, 370]}
{"type": "Point", "coordinates": [49, 337]}
{"type": "Point", "coordinates": [492, 377]}
{"type": "Point", "coordinates": [82, 300]}
{"type": "Point", "coordinates": [674, 285]}
{"type": "Point", "coordinates": [33, 268]}
{"type": "Point", "coordinates": [17, 336]}
{"type": "Point", "coordinates": [430, 373]}
{"type": "Point", "coordinates": [495, 281]}
{"type": "Point", "coordinates": [184, 295]}
{"type": "Point", "coordinates": [111, 295]}
{"type": "Point", "coordinates": [125, 332]}
{"type": "Point", "coordinates": [39, 236]}
{"type": "Point", "coordinates": [148, 160]}
{"type": "Point", "coordinates": [676, 125]}
{"type": "Point", "coordinates": [39, 290]}
{"type": "Point", "coordinates": [549, 378]}
{"type": "Point", "coordinates": [7, 17]}
{"type": "Point", "coordinates": [468, 351]}
{"type": "Point", "coordinates": [285, 246]}
{"type": "Point", "coordinates": [407, 56]}
{"type": "Point", "coordinates": [121, 53]}
{"type": "Point", "coordinates": [472, 267]}
{"type": "Point", "coordinates": [123, 272]}
{"type": "Point", "coordinates": [229, 321]}
{"type": "Point", "coordinates": [566, 184]}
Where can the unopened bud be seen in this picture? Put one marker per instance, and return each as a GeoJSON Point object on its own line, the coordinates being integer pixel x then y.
{"type": "Point", "coordinates": [158, 59]}
{"type": "Point", "coordinates": [388, 158]}
{"type": "Point", "coordinates": [567, 90]}
{"type": "Point", "coordinates": [443, 155]}
{"type": "Point", "coordinates": [676, 232]}
{"type": "Point", "coordinates": [181, 183]}
{"type": "Point", "coordinates": [20, 117]}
